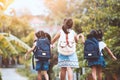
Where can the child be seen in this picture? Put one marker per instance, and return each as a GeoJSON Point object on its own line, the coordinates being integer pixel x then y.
{"type": "Point", "coordinates": [67, 58]}
{"type": "Point", "coordinates": [97, 64]}
{"type": "Point", "coordinates": [42, 66]}
{"type": "Point", "coordinates": [48, 36]}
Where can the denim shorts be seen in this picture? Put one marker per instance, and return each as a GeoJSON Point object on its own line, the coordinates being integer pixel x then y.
{"type": "Point", "coordinates": [100, 61]}
{"type": "Point", "coordinates": [42, 65]}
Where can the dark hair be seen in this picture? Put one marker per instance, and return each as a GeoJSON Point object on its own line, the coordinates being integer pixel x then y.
{"type": "Point", "coordinates": [48, 36]}
{"type": "Point", "coordinates": [40, 34]}
{"type": "Point", "coordinates": [93, 33]}
{"type": "Point", "coordinates": [67, 24]}
{"type": "Point", "coordinates": [100, 34]}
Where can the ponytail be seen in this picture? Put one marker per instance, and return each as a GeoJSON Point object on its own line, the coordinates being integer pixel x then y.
{"type": "Point", "coordinates": [67, 24]}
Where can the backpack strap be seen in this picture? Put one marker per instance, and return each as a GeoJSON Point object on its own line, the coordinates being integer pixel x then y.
{"type": "Point", "coordinates": [67, 39]}
{"type": "Point", "coordinates": [33, 65]}
{"type": "Point", "coordinates": [33, 62]}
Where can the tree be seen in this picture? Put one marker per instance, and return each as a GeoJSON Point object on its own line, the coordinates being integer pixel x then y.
{"type": "Point", "coordinates": [11, 45]}
{"type": "Point", "coordinates": [6, 47]}
{"type": "Point", "coordinates": [15, 25]}
{"type": "Point", "coordinates": [4, 4]}
{"type": "Point", "coordinates": [60, 9]}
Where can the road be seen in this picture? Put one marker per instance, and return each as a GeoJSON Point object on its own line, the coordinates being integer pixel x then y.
{"type": "Point", "coordinates": [10, 74]}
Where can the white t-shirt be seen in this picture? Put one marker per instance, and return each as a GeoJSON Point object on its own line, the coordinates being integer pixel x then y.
{"type": "Point", "coordinates": [102, 45]}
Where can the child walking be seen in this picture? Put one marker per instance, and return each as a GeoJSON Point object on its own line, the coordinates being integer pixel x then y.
{"type": "Point", "coordinates": [67, 58]}
{"type": "Point", "coordinates": [97, 64]}
{"type": "Point", "coordinates": [42, 65]}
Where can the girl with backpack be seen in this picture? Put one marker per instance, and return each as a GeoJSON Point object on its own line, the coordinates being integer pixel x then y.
{"type": "Point", "coordinates": [97, 64]}
{"type": "Point", "coordinates": [42, 64]}
{"type": "Point", "coordinates": [67, 58]}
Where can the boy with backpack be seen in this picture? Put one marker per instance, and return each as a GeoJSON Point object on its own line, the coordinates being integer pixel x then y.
{"type": "Point", "coordinates": [42, 54]}
{"type": "Point", "coordinates": [93, 53]}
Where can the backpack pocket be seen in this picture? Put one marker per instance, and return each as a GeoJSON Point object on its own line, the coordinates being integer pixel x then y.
{"type": "Point", "coordinates": [39, 54]}
{"type": "Point", "coordinates": [66, 49]}
{"type": "Point", "coordinates": [62, 44]}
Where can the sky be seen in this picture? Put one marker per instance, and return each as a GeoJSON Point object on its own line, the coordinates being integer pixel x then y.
{"type": "Point", "coordinates": [36, 7]}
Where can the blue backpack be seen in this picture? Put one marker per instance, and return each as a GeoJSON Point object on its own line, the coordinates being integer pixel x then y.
{"type": "Point", "coordinates": [91, 49]}
{"type": "Point", "coordinates": [42, 50]}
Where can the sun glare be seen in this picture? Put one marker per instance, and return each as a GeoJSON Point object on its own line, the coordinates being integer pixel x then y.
{"type": "Point", "coordinates": [35, 7]}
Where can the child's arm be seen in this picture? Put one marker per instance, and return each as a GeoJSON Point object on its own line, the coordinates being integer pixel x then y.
{"type": "Point", "coordinates": [82, 37]}
{"type": "Point", "coordinates": [110, 53]}
{"type": "Point", "coordinates": [55, 38]}
{"type": "Point", "coordinates": [29, 51]}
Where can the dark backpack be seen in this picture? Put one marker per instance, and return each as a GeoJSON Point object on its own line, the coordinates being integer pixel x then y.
{"type": "Point", "coordinates": [42, 50]}
{"type": "Point", "coordinates": [91, 49]}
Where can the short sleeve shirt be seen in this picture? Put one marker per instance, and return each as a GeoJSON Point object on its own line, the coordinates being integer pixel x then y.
{"type": "Point", "coordinates": [102, 45]}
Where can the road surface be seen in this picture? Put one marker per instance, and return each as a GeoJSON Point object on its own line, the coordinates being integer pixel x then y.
{"type": "Point", "coordinates": [11, 74]}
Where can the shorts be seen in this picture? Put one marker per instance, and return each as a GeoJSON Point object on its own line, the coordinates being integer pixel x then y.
{"type": "Point", "coordinates": [100, 61]}
{"type": "Point", "coordinates": [42, 65]}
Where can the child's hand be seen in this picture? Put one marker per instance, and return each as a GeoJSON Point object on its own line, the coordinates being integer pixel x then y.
{"type": "Point", "coordinates": [26, 56]}
{"type": "Point", "coordinates": [52, 46]}
{"type": "Point", "coordinates": [82, 37]}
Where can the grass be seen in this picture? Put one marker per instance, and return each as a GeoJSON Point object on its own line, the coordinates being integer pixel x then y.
{"type": "Point", "coordinates": [27, 73]}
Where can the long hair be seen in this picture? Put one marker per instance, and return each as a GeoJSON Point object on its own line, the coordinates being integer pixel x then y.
{"type": "Point", "coordinates": [93, 33]}
{"type": "Point", "coordinates": [100, 34]}
{"type": "Point", "coordinates": [48, 36]}
{"type": "Point", "coordinates": [67, 24]}
{"type": "Point", "coordinates": [40, 34]}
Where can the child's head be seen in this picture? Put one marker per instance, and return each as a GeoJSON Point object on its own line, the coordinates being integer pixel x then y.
{"type": "Point", "coordinates": [93, 33]}
{"type": "Point", "coordinates": [100, 34]}
{"type": "Point", "coordinates": [48, 36]}
{"type": "Point", "coordinates": [40, 34]}
{"type": "Point", "coordinates": [67, 24]}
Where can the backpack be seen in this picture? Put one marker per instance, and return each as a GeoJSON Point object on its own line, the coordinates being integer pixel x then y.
{"type": "Point", "coordinates": [42, 50]}
{"type": "Point", "coordinates": [91, 49]}
{"type": "Point", "coordinates": [66, 43]}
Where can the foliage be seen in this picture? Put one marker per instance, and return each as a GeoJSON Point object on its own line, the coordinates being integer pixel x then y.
{"type": "Point", "coordinates": [60, 9]}
{"type": "Point", "coordinates": [29, 39]}
{"type": "Point", "coordinates": [15, 25]}
{"type": "Point", "coordinates": [0, 76]}
{"type": "Point", "coordinates": [5, 4]}
{"type": "Point", "coordinates": [77, 25]}
{"type": "Point", "coordinates": [11, 45]}
{"type": "Point", "coordinates": [6, 47]}
{"type": "Point", "coordinates": [18, 27]}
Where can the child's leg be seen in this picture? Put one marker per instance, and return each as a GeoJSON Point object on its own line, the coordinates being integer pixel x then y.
{"type": "Point", "coordinates": [99, 72]}
{"type": "Point", "coordinates": [70, 73]}
{"type": "Point", "coordinates": [45, 75]}
{"type": "Point", "coordinates": [94, 72]}
{"type": "Point", "coordinates": [63, 73]}
{"type": "Point", "coordinates": [45, 68]}
{"type": "Point", "coordinates": [39, 75]}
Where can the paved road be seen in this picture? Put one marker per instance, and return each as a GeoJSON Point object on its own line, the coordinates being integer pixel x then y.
{"type": "Point", "coordinates": [10, 74]}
